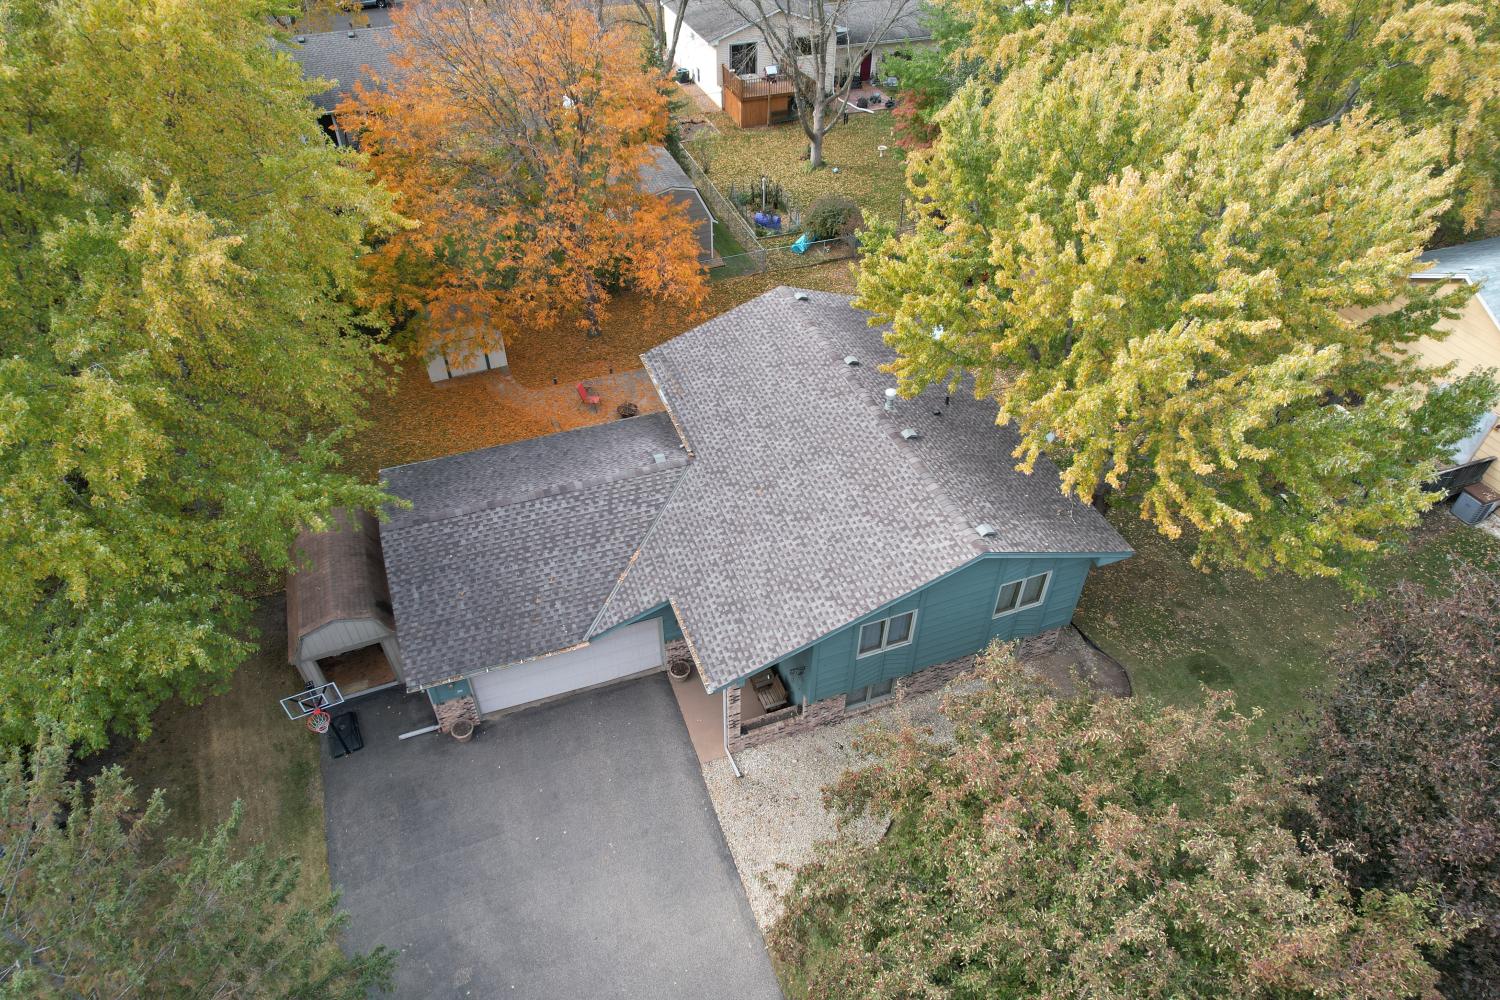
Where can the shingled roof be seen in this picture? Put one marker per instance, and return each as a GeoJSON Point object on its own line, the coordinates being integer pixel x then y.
{"type": "Point", "coordinates": [805, 508]}
{"type": "Point", "coordinates": [336, 575]}
{"type": "Point", "coordinates": [712, 20]}
{"type": "Point", "coordinates": [508, 553]}
{"type": "Point", "coordinates": [1477, 262]}
{"type": "Point", "coordinates": [342, 57]}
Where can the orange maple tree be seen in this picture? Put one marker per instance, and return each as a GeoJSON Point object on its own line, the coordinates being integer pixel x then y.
{"type": "Point", "coordinates": [514, 134]}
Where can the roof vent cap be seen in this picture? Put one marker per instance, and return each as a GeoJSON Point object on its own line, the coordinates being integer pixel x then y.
{"type": "Point", "coordinates": [909, 434]}
{"type": "Point", "coordinates": [890, 397]}
{"type": "Point", "coordinates": [851, 361]}
{"type": "Point", "coordinates": [658, 457]}
{"type": "Point", "coordinates": [302, 39]}
{"type": "Point", "coordinates": [800, 296]}
{"type": "Point", "coordinates": [985, 530]}
{"type": "Point", "coordinates": [351, 33]}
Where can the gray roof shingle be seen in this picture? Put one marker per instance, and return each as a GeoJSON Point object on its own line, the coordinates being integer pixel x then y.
{"type": "Point", "coordinates": [508, 553]}
{"type": "Point", "coordinates": [804, 508]}
{"type": "Point", "coordinates": [334, 56]}
{"type": "Point", "coordinates": [716, 19]}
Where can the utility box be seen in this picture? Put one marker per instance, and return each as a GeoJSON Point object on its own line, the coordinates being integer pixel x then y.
{"type": "Point", "coordinates": [1475, 502]}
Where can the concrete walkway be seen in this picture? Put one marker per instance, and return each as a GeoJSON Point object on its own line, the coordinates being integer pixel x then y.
{"type": "Point", "coordinates": [567, 851]}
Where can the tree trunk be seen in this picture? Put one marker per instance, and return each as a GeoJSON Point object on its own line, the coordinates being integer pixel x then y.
{"type": "Point", "coordinates": [591, 307]}
{"type": "Point", "coordinates": [815, 139]}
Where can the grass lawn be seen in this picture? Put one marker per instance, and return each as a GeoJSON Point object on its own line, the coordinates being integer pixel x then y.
{"type": "Point", "coordinates": [1176, 629]}
{"type": "Point", "coordinates": [240, 745]}
{"type": "Point", "coordinates": [742, 156]}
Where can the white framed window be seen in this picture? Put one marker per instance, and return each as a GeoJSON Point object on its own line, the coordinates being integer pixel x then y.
{"type": "Point", "coordinates": [888, 633]}
{"type": "Point", "coordinates": [1018, 595]}
{"type": "Point", "coordinates": [866, 695]}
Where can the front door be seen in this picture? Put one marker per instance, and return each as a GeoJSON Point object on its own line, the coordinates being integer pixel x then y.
{"type": "Point", "coordinates": [864, 67]}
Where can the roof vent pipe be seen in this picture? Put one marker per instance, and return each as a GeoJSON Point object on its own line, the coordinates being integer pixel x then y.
{"type": "Point", "coordinates": [890, 399]}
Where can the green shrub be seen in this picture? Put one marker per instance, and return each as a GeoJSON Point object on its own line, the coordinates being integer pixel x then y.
{"type": "Point", "coordinates": [832, 216]}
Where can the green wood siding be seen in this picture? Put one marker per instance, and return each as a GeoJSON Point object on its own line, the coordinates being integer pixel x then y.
{"type": "Point", "coordinates": [954, 618]}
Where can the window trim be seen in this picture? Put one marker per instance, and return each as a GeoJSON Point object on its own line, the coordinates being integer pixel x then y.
{"type": "Point", "coordinates": [1022, 582]}
{"type": "Point", "coordinates": [869, 699]}
{"type": "Point", "coordinates": [884, 623]}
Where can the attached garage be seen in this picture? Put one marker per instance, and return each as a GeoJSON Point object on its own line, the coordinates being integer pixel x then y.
{"type": "Point", "coordinates": [623, 652]}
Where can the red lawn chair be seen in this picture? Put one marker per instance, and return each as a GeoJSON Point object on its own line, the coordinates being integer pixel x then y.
{"type": "Point", "coordinates": [587, 395]}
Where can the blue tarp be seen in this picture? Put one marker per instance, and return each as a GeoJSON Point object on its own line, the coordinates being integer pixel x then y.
{"type": "Point", "coordinates": [803, 242]}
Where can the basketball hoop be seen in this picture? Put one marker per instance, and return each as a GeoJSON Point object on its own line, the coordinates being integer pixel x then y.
{"type": "Point", "coordinates": [313, 705]}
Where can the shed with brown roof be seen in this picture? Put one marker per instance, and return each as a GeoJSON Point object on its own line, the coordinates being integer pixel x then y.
{"type": "Point", "coordinates": [338, 604]}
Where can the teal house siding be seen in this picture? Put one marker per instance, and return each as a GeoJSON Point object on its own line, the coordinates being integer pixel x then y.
{"type": "Point", "coordinates": [954, 617]}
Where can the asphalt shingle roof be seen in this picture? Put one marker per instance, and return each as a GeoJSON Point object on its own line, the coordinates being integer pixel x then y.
{"type": "Point", "coordinates": [662, 172]}
{"type": "Point", "coordinates": [1478, 262]}
{"type": "Point", "coordinates": [716, 19]}
{"type": "Point", "coordinates": [804, 508]}
{"type": "Point", "coordinates": [333, 55]}
{"type": "Point", "coordinates": [508, 553]}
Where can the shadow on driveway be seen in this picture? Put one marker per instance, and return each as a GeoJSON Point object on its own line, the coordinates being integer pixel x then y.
{"type": "Point", "coordinates": [568, 851]}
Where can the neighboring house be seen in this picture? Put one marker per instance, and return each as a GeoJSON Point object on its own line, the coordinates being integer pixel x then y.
{"type": "Point", "coordinates": [785, 524]}
{"type": "Point", "coordinates": [1473, 342]}
{"type": "Point", "coordinates": [343, 58]}
{"type": "Point", "coordinates": [664, 176]}
{"type": "Point", "coordinates": [730, 59]}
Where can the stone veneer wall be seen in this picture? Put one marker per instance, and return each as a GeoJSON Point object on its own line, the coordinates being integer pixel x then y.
{"type": "Point", "coordinates": [820, 713]}
{"type": "Point", "coordinates": [449, 712]}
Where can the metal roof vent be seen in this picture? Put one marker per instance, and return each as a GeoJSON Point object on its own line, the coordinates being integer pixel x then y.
{"type": "Point", "coordinates": [800, 296]}
{"type": "Point", "coordinates": [909, 434]}
{"type": "Point", "coordinates": [851, 361]}
{"type": "Point", "coordinates": [985, 530]}
{"type": "Point", "coordinates": [351, 33]}
{"type": "Point", "coordinates": [302, 39]}
{"type": "Point", "coordinates": [659, 458]}
{"type": "Point", "coordinates": [890, 398]}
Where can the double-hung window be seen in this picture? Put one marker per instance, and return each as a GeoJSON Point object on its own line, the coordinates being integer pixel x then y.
{"type": "Point", "coordinates": [742, 59]}
{"type": "Point", "coordinates": [887, 633]}
{"type": "Point", "coordinates": [1018, 595]}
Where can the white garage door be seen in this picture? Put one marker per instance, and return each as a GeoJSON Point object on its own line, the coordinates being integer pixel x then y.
{"type": "Point", "coordinates": [630, 649]}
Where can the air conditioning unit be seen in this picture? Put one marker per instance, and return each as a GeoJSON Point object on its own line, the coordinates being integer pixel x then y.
{"type": "Point", "coordinates": [1474, 503]}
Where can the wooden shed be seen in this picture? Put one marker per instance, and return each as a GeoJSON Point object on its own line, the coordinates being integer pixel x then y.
{"type": "Point", "coordinates": [340, 626]}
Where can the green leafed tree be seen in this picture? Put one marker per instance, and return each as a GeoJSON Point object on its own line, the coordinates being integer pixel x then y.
{"type": "Point", "coordinates": [1179, 291]}
{"type": "Point", "coordinates": [1063, 847]}
{"type": "Point", "coordinates": [94, 904]}
{"type": "Point", "coordinates": [179, 245]}
{"type": "Point", "coordinates": [1431, 64]}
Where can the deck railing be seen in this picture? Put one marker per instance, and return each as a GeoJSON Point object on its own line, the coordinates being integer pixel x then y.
{"type": "Point", "coordinates": [742, 88]}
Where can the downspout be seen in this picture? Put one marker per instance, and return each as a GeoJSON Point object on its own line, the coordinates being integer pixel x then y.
{"type": "Point", "coordinates": [724, 701]}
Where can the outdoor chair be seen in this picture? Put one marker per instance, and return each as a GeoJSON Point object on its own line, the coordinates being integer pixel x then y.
{"type": "Point", "coordinates": [587, 396]}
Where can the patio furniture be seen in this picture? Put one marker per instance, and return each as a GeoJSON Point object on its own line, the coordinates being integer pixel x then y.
{"type": "Point", "coordinates": [587, 396]}
{"type": "Point", "coordinates": [769, 691]}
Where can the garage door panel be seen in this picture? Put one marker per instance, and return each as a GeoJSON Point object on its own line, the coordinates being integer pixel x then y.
{"type": "Point", "coordinates": [631, 649]}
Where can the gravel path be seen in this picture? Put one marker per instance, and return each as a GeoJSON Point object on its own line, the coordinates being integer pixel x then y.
{"type": "Point", "coordinates": [774, 816]}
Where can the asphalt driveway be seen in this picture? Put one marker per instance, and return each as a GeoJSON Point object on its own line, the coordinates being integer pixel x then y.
{"type": "Point", "coordinates": [568, 851]}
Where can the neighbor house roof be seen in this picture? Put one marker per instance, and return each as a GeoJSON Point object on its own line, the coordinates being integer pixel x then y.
{"type": "Point", "coordinates": [663, 173]}
{"type": "Point", "coordinates": [508, 553]}
{"type": "Point", "coordinates": [342, 57]}
{"type": "Point", "coordinates": [336, 575]}
{"type": "Point", "coordinates": [713, 20]}
{"type": "Point", "coordinates": [805, 508]}
{"type": "Point", "coordinates": [1477, 262]}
